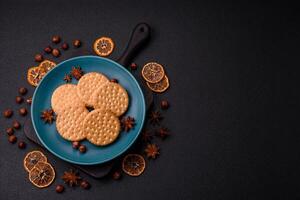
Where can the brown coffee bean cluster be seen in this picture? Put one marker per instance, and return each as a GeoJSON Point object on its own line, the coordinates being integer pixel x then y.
{"type": "Point", "coordinates": [55, 52]}
{"type": "Point", "coordinates": [15, 124]}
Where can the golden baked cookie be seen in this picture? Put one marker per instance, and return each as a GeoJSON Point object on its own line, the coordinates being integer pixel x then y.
{"type": "Point", "coordinates": [64, 96]}
{"type": "Point", "coordinates": [101, 127]}
{"type": "Point", "coordinates": [69, 123]}
{"type": "Point", "coordinates": [111, 96]}
{"type": "Point", "coordinates": [87, 85]}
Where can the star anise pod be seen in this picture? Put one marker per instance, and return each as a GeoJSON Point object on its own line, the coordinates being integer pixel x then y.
{"type": "Point", "coordinates": [163, 133]}
{"type": "Point", "coordinates": [67, 78]}
{"type": "Point", "coordinates": [48, 116]}
{"type": "Point", "coordinates": [127, 123]}
{"type": "Point", "coordinates": [152, 151]}
{"type": "Point", "coordinates": [71, 178]}
{"type": "Point", "coordinates": [155, 117]}
{"type": "Point", "coordinates": [76, 72]}
{"type": "Point", "coordinates": [146, 136]}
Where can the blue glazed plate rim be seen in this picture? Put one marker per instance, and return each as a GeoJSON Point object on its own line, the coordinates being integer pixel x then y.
{"type": "Point", "coordinates": [114, 156]}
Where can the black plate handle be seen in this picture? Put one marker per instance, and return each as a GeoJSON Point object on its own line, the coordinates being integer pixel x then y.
{"type": "Point", "coordinates": [139, 37]}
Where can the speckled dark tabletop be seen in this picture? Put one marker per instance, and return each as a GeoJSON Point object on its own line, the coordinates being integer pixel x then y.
{"type": "Point", "coordinates": [234, 99]}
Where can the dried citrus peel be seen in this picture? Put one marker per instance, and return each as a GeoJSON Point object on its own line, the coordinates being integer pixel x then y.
{"type": "Point", "coordinates": [133, 164]}
{"type": "Point", "coordinates": [153, 72]}
{"type": "Point", "coordinates": [42, 175]}
{"type": "Point", "coordinates": [35, 74]}
{"type": "Point", "coordinates": [161, 86]}
{"type": "Point", "coordinates": [103, 46]}
{"type": "Point", "coordinates": [32, 158]}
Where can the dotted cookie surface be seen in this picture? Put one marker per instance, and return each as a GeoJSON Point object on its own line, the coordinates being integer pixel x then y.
{"type": "Point", "coordinates": [88, 84]}
{"type": "Point", "coordinates": [64, 96]}
{"type": "Point", "coordinates": [69, 123]}
{"type": "Point", "coordinates": [111, 96]}
{"type": "Point", "coordinates": [101, 127]}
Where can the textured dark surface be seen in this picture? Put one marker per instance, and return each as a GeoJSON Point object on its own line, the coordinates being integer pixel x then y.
{"type": "Point", "coordinates": [234, 96]}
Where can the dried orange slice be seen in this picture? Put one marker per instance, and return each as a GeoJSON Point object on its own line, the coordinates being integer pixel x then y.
{"type": "Point", "coordinates": [34, 75]}
{"type": "Point", "coordinates": [133, 164]}
{"type": "Point", "coordinates": [46, 66]}
{"type": "Point", "coordinates": [42, 175]}
{"type": "Point", "coordinates": [153, 72]}
{"type": "Point", "coordinates": [32, 158]}
{"type": "Point", "coordinates": [161, 86]}
{"type": "Point", "coordinates": [104, 46]}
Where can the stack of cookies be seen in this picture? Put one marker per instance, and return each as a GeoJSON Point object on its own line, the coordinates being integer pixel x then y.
{"type": "Point", "coordinates": [74, 122]}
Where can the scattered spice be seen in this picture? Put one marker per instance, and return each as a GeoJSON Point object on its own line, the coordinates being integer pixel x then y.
{"type": "Point", "coordinates": [146, 136]}
{"type": "Point", "coordinates": [163, 133]}
{"type": "Point", "coordinates": [82, 148]}
{"type": "Point", "coordinates": [164, 104]}
{"type": "Point", "coordinates": [29, 100]}
{"type": "Point", "coordinates": [8, 113]}
{"type": "Point", "coordinates": [65, 46]}
{"type": "Point", "coordinates": [116, 175]}
{"type": "Point", "coordinates": [12, 139]}
{"type": "Point", "coordinates": [38, 58]}
{"type": "Point", "coordinates": [68, 78]}
{"type": "Point", "coordinates": [114, 80]}
{"type": "Point", "coordinates": [127, 123]}
{"type": "Point", "coordinates": [16, 124]}
{"type": "Point", "coordinates": [59, 188]}
{"type": "Point", "coordinates": [56, 39]}
{"type": "Point", "coordinates": [77, 43]}
{"type": "Point", "coordinates": [23, 90]}
{"type": "Point", "coordinates": [48, 49]}
{"type": "Point", "coordinates": [77, 72]}
{"type": "Point", "coordinates": [71, 178]}
{"type": "Point", "coordinates": [152, 151]}
{"type": "Point", "coordinates": [22, 145]}
{"type": "Point", "coordinates": [23, 111]}
{"type": "Point", "coordinates": [85, 185]}
{"type": "Point", "coordinates": [155, 117]}
{"type": "Point", "coordinates": [133, 66]}
{"type": "Point", "coordinates": [48, 116]}
{"type": "Point", "coordinates": [75, 145]}
{"type": "Point", "coordinates": [10, 131]}
{"type": "Point", "coordinates": [55, 53]}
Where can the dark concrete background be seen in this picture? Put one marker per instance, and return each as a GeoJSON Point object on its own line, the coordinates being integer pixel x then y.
{"type": "Point", "coordinates": [234, 95]}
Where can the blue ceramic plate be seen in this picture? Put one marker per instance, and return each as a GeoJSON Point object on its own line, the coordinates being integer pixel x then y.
{"type": "Point", "coordinates": [62, 148]}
